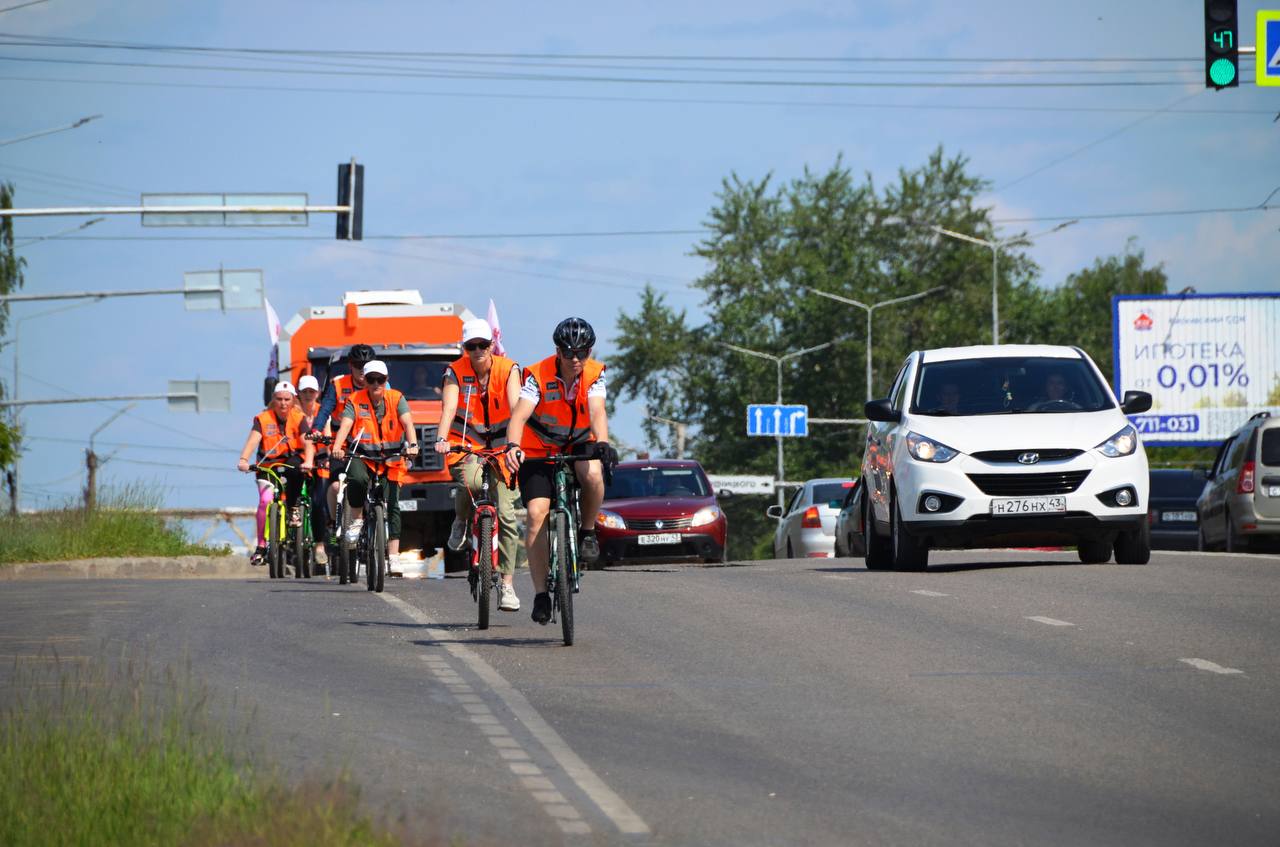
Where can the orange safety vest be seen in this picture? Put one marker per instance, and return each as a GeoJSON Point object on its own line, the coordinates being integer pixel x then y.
{"type": "Point", "coordinates": [342, 389]}
{"type": "Point", "coordinates": [558, 422]}
{"type": "Point", "coordinates": [482, 414]}
{"type": "Point", "coordinates": [279, 440]}
{"type": "Point", "coordinates": [386, 433]}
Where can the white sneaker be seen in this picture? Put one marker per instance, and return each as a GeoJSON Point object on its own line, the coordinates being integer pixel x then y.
{"type": "Point", "coordinates": [457, 535]}
{"type": "Point", "coordinates": [353, 531]}
{"type": "Point", "coordinates": [322, 558]}
{"type": "Point", "coordinates": [507, 599]}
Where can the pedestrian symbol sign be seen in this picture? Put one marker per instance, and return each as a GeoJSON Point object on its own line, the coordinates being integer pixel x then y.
{"type": "Point", "coordinates": [775, 420]}
{"type": "Point", "coordinates": [1268, 47]}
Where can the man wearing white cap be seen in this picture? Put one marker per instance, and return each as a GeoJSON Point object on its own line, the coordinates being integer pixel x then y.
{"type": "Point", "coordinates": [480, 389]}
{"type": "Point", "coordinates": [380, 415]}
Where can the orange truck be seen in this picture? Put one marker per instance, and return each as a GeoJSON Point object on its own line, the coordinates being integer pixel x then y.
{"type": "Point", "coordinates": [417, 340]}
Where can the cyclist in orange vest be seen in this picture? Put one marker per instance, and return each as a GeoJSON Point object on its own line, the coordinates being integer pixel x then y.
{"type": "Point", "coordinates": [480, 390]}
{"type": "Point", "coordinates": [277, 436]}
{"type": "Point", "coordinates": [332, 404]}
{"type": "Point", "coordinates": [309, 406]}
{"type": "Point", "coordinates": [379, 417]}
{"type": "Point", "coordinates": [561, 411]}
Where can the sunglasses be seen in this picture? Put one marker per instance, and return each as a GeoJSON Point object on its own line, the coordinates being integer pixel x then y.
{"type": "Point", "coordinates": [579, 355]}
{"type": "Point", "coordinates": [472, 346]}
{"type": "Point", "coordinates": [375, 379]}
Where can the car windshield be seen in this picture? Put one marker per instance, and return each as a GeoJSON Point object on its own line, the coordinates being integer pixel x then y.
{"type": "Point", "coordinates": [1177, 483]}
{"type": "Point", "coordinates": [656, 482]}
{"type": "Point", "coordinates": [1009, 385]}
{"type": "Point", "coordinates": [829, 492]}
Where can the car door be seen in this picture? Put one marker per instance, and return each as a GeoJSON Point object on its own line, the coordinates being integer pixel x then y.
{"type": "Point", "coordinates": [1214, 497]}
{"type": "Point", "coordinates": [877, 464]}
{"type": "Point", "coordinates": [781, 533]}
{"type": "Point", "coordinates": [795, 512]}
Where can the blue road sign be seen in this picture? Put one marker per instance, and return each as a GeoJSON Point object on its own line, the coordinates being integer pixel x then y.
{"type": "Point", "coordinates": [1268, 47]}
{"type": "Point", "coordinates": [771, 420]}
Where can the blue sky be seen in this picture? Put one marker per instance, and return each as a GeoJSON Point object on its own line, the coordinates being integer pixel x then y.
{"type": "Point", "coordinates": [477, 156]}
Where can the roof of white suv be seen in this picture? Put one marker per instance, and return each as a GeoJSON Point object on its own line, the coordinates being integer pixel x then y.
{"type": "Point", "coordinates": [992, 351]}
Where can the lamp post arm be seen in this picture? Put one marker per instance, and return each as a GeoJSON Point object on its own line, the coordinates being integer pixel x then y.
{"type": "Point", "coordinates": [747, 352]}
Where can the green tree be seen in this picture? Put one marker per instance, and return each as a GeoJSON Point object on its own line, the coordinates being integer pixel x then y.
{"type": "Point", "coordinates": [11, 266]}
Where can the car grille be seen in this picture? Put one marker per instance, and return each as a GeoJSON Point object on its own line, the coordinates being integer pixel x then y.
{"type": "Point", "coordinates": [428, 459]}
{"type": "Point", "coordinates": [1011, 456]}
{"type": "Point", "coordinates": [652, 523]}
{"type": "Point", "coordinates": [1028, 484]}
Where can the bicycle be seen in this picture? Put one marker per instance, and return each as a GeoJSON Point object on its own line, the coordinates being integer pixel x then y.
{"type": "Point", "coordinates": [564, 578]}
{"type": "Point", "coordinates": [484, 574]}
{"type": "Point", "coordinates": [281, 549]}
{"type": "Point", "coordinates": [371, 547]}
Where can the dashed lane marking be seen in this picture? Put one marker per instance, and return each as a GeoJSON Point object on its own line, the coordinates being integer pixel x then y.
{"type": "Point", "coordinates": [1211, 667]}
{"type": "Point", "coordinates": [926, 593]}
{"type": "Point", "coordinates": [613, 806]}
{"type": "Point", "coordinates": [1049, 621]}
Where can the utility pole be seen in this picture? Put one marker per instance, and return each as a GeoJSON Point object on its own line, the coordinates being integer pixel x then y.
{"type": "Point", "coordinates": [681, 429]}
{"type": "Point", "coordinates": [92, 463]}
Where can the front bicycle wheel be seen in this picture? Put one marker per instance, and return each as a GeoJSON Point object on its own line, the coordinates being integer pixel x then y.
{"type": "Point", "coordinates": [275, 541]}
{"type": "Point", "coordinates": [377, 564]}
{"type": "Point", "coordinates": [344, 549]}
{"type": "Point", "coordinates": [301, 553]}
{"type": "Point", "coordinates": [484, 568]}
{"type": "Point", "coordinates": [561, 565]}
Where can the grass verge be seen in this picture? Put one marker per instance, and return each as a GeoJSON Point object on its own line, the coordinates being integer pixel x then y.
{"type": "Point", "coordinates": [92, 754]}
{"type": "Point", "coordinates": [120, 526]}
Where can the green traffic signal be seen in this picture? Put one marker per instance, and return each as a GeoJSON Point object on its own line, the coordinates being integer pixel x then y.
{"type": "Point", "coordinates": [1222, 72]}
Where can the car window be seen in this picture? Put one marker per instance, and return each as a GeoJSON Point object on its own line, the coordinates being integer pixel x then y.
{"type": "Point", "coordinates": [898, 392]}
{"type": "Point", "coordinates": [1222, 453]}
{"type": "Point", "coordinates": [1007, 385]}
{"type": "Point", "coordinates": [826, 492]}
{"type": "Point", "coordinates": [795, 500]}
{"type": "Point", "coordinates": [1232, 459]}
{"type": "Point", "coordinates": [1271, 447]}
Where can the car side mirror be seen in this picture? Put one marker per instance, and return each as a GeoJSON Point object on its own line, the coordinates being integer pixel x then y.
{"type": "Point", "coordinates": [725, 493]}
{"type": "Point", "coordinates": [881, 410]}
{"type": "Point", "coordinates": [775, 512]}
{"type": "Point", "coordinates": [1135, 402]}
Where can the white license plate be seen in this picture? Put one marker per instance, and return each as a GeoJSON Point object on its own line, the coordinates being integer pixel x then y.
{"type": "Point", "coordinates": [1028, 505]}
{"type": "Point", "coordinates": [408, 505]}
{"type": "Point", "coordinates": [1273, 490]}
{"type": "Point", "coordinates": [1171, 517]}
{"type": "Point", "coordinates": [660, 538]}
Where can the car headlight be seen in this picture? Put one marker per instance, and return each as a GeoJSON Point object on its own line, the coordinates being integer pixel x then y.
{"type": "Point", "coordinates": [928, 450]}
{"type": "Point", "coordinates": [610, 520]}
{"type": "Point", "coordinates": [1123, 443]}
{"type": "Point", "coordinates": [705, 515]}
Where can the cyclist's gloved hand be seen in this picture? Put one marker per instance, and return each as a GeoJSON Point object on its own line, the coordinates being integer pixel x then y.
{"type": "Point", "coordinates": [412, 449]}
{"type": "Point", "coordinates": [605, 453]}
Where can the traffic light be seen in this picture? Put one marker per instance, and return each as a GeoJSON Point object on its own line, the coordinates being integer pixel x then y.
{"type": "Point", "coordinates": [351, 193]}
{"type": "Point", "coordinates": [1221, 44]}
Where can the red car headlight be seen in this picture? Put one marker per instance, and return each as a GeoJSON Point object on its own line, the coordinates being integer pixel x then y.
{"type": "Point", "coordinates": [705, 515]}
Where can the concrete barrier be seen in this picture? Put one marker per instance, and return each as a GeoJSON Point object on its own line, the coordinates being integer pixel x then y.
{"type": "Point", "coordinates": [136, 567]}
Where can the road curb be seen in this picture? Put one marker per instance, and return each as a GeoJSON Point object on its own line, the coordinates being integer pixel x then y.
{"type": "Point", "coordinates": [136, 567]}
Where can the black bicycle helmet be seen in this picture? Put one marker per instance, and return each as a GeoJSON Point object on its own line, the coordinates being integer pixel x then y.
{"type": "Point", "coordinates": [360, 354]}
{"type": "Point", "coordinates": [574, 334]}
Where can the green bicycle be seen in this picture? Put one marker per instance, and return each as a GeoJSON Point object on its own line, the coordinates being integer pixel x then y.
{"type": "Point", "coordinates": [287, 545]}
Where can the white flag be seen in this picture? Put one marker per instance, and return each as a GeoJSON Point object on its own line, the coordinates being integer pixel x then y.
{"type": "Point", "coordinates": [273, 321]}
{"type": "Point", "coordinates": [497, 329]}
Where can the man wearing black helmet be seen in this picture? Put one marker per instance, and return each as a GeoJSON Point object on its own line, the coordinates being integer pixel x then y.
{"type": "Point", "coordinates": [562, 401]}
{"type": "Point", "coordinates": [332, 404]}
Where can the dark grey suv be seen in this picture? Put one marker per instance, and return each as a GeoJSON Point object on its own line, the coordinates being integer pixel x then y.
{"type": "Point", "coordinates": [1239, 508]}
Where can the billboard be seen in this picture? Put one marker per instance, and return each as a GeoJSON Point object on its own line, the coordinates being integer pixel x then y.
{"type": "Point", "coordinates": [1209, 361]}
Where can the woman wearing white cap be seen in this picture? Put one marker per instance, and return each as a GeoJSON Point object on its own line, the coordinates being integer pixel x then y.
{"type": "Point", "coordinates": [277, 435]}
{"type": "Point", "coordinates": [309, 404]}
{"type": "Point", "coordinates": [488, 387]}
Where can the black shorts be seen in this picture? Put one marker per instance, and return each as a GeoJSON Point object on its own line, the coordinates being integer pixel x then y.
{"type": "Point", "coordinates": [337, 466]}
{"type": "Point", "coordinates": [538, 479]}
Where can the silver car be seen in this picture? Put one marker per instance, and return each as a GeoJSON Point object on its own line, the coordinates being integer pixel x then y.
{"type": "Point", "coordinates": [807, 528]}
{"type": "Point", "coordinates": [1239, 509]}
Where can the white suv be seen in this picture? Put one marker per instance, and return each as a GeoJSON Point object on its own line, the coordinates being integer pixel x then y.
{"type": "Point", "coordinates": [1003, 446]}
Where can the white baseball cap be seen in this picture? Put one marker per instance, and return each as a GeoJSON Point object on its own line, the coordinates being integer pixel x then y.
{"type": "Point", "coordinates": [308, 381]}
{"type": "Point", "coordinates": [375, 367]}
{"type": "Point", "coordinates": [285, 385]}
{"type": "Point", "coordinates": [477, 328]}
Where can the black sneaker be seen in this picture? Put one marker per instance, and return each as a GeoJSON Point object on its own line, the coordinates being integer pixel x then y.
{"type": "Point", "coordinates": [541, 608]}
{"type": "Point", "coordinates": [589, 547]}
{"type": "Point", "coordinates": [259, 557]}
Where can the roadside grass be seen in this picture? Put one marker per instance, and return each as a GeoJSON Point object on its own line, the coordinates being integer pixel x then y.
{"type": "Point", "coordinates": [121, 526]}
{"type": "Point", "coordinates": [108, 755]}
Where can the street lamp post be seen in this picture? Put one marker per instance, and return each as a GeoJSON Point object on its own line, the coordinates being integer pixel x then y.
{"type": "Point", "coordinates": [871, 310]}
{"type": "Point", "coordinates": [778, 360]}
{"type": "Point", "coordinates": [995, 247]}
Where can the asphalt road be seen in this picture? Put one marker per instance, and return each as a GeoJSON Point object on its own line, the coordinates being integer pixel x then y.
{"type": "Point", "coordinates": [1000, 698]}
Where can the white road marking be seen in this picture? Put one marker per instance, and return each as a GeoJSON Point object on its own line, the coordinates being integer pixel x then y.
{"type": "Point", "coordinates": [1212, 667]}
{"type": "Point", "coordinates": [926, 593]}
{"type": "Point", "coordinates": [608, 801]}
{"type": "Point", "coordinates": [1049, 621]}
{"type": "Point", "coordinates": [835, 576]}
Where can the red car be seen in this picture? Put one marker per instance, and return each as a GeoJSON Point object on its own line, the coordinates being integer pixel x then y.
{"type": "Point", "coordinates": [660, 509]}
